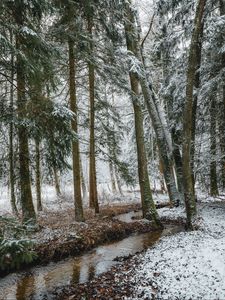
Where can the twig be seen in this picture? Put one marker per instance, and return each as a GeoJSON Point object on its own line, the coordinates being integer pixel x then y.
{"type": "Point", "coordinates": [149, 30]}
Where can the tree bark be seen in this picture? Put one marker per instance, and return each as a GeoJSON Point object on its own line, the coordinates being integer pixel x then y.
{"type": "Point", "coordinates": [93, 195]}
{"type": "Point", "coordinates": [195, 100]}
{"type": "Point", "coordinates": [175, 134]}
{"type": "Point", "coordinates": [11, 144]}
{"type": "Point", "coordinates": [178, 163]}
{"type": "Point", "coordinates": [222, 110]}
{"type": "Point", "coordinates": [83, 184]}
{"type": "Point", "coordinates": [221, 126]}
{"type": "Point", "coordinates": [111, 171]}
{"type": "Point", "coordinates": [38, 174]}
{"type": "Point", "coordinates": [213, 174]}
{"type": "Point", "coordinates": [28, 211]}
{"type": "Point", "coordinates": [148, 205]}
{"type": "Point", "coordinates": [111, 148]}
{"type": "Point", "coordinates": [79, 214]}
{"type": "Point", "coordinates": [188, 116]}
{"type": "Point", "coordinates": [56, 182]}
{"type": "Point", "coordinates": [164, 139]}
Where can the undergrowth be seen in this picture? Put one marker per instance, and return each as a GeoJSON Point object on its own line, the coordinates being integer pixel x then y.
{"type": "Point", "coordinates": [16, 248]}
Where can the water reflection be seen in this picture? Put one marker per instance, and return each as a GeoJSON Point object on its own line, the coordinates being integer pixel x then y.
{"type": "Point", "coordinates": [129, 217]}
{"type": "Point", "coordinates": [40, 280]}
{"type": "Point", "coordinates": [25, 287]}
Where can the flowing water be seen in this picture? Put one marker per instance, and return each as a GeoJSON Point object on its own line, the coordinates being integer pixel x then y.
{"type": "Point", "coordinates": [38, 281]}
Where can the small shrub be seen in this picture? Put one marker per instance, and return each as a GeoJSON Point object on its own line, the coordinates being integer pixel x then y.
{"type": "Point", "coordinates": [14, 253]}
{"type": "Point", "coordinates": [15, 248]}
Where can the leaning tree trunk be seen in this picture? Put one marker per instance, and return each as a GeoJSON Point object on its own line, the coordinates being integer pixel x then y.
{"type": "Point", "coordinates": [38, 174]}
{"type": "Point", "coordinates": [148, 205]}
{"type": "Point", "coordinates": [79, 214]}
{"type": "Point", "coordinates": [28, 211]}
{"type": "Point", "coordinates": [164, 140]}
{"type": "Point", "coordinates": [213, 173]}
{"type": "Point", "coordinates": [188, 115]}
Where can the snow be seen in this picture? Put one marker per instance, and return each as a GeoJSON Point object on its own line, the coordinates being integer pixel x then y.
{"type": "Point", "coordinates": [172, 213]}
{"type": "Point", "coordinates": [188, 265]}
{"type": "Point", "coordinates": [28, 31]}
{"type": "Point", "coordinates": [51, 202]}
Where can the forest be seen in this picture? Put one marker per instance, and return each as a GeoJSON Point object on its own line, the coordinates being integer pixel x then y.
{"type": "Point", "coordinates": [112, 149]}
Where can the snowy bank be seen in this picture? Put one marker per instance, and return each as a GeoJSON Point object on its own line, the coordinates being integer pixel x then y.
{"type": "Point", "coordinates": [188, 265]}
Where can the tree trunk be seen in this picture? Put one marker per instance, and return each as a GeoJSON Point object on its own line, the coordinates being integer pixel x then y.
{"type": "Point", "coordinates": [93, 195]}
{"type": "Point", "coordinates": [162, 182]}
{"type": "Point", "coordinates": [148, 205]}
{"type": "Point", "coordinates": [111, 147]}
{"type": "Point", "coordinates": [213, 174]}
{"type": "Point", "coordinates": [24, 172]}
{"type": "Point", "coordinates": [38, 174]}
{"type": "Point", "coordinates": [221, 126]}
{"type": "Point", "coordinates": [188, 115]}
{"type": "Point", "coordinates": [118, 182]}
{"type": "Point", "coordinates": [222, 7]}
{"type": "Point", "coordinates": [195, 99]}
{"type": "Point", "coordinates": [83, 184]}
{"type": "Point", "coordinates": [11, 146]}
{"type": "Point", "coordinates": [56, 182]}
{"type": "Point", "coordinates": [222, 110]}
{"type": "Point", "coordinates": [111, 171]}
{"type": "Point", "coordinates": [175, 134]}
{"type": "Point", "coordinates": [79, 214]}
{"type": "Point", "coordinates": [164, 140]}
{"type": "Point", "coordinates": [178, 163]}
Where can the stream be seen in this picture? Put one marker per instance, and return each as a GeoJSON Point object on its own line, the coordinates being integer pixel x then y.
{"type": "Point", "coordinates": [37, 282]}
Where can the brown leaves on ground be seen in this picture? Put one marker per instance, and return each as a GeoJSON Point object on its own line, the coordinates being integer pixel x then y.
{"type": "Point", "coordinates": [60, 236]}
{"type": "Point", "coordinates": [111, 285]}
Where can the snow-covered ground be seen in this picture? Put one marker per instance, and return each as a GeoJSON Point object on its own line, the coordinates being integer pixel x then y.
{"type": "Point", "coordinates": [188, 265]}
{"type": "Point", "coordinates": [51, 202]}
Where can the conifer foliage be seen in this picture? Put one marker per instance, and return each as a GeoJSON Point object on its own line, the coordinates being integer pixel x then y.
{"type": "Point", "coordinates": [86, 83]}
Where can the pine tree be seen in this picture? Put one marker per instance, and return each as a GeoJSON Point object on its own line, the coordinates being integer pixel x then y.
{"type": "Point", "coordinates": [25, 180]}
{"type": "Point", "coordinates": [188, 115]}
{"type": "Point", "coordinates": [156, 114]}
{"type": "Point", "coordinates": [148, 206]}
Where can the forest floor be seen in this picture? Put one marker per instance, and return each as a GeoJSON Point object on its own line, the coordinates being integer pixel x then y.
{"type": "Point", "coordinates": [59, 236]}
{"type": "Point", "coordinates": [187, 265]}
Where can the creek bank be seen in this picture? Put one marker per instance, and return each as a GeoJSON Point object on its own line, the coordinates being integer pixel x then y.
{"type": "Point", "coordinates": [116, 282]}
{"type": "Point", "coordinates": [97, 231]}
{"type": "Point", "coordinates": [60, 237]}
